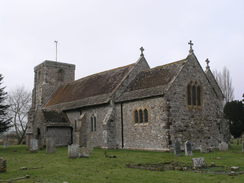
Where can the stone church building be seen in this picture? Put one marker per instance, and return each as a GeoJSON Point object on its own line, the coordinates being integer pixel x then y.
{"type": "Point", "coordinates": [131, 107]}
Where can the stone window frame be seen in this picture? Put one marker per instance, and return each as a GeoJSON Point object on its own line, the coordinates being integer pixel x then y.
{"type": "Point", "coordinates": [60, 75]}
{"type": "Point", "coordinates": [93, 123]}
{"type": "Point", "coordinates": [141, 116]}
{"type": "Point", "coordinates": [194, 95]}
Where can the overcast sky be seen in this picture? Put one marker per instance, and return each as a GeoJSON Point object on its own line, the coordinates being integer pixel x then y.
{"type": "Point", "coordinates": [98, 35]}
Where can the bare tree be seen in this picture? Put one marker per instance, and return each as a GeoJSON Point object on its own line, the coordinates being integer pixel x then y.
{"type": "Point", "coordinates": [224, 80]}
{"type": "Point", "coordinates": [20, 103]}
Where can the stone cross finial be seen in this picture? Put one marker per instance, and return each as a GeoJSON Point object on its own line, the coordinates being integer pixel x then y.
{"type": "Point", "coordinates": [142, 50]}
{"type": "Point", "coordinates": [191, 44]}
{"type": "Point", "coordinates": [207, 61]}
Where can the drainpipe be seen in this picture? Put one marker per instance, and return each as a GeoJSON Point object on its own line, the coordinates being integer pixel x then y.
{"type": "Point", "coordinates": [122, 126]}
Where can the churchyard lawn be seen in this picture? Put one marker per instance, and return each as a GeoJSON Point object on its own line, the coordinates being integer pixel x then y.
{"type": "Point", "coordinates": [58, 168]}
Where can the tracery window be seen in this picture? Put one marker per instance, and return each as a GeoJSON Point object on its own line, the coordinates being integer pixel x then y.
{"type": "Point", "coordinates": [141, 116]}
{"type": "Point", "coordinates": [194, 94]}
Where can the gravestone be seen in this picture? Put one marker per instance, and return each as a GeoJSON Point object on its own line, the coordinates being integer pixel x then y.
{"type": "Point", "coordinates": [33, 145]}
{"type": "Point", "coordinates": [3, 165]}
{"type": "Point", "coordinates": [242, 146]}
{"type": "Point", "coordinates": [84, 152]}
{"type": "Point", "coordinates": [50, 145]}
{"type": "Point", "coordinates": [188, 148]}
{"type": "Point", "coordinates": [74, 151]}
{"type": "Point", "coordinates": [198, 162]}
{"type": "Point", "coordinates": [204, 149]}
{"type": "Point", "coordinates": [223, 146]}
{"type": "Point", "coordinates": [177, 150]}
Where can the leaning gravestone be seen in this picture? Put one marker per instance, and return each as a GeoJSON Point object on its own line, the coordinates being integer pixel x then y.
{"type": "Point", "coordinates": [198, 162]}
{"type": "Point", "coordinates": [223, 146]}
{"type": "Point", "coordinates": [74, 151]}
{"type": "Point", "coordinates": [50, 145]}
{"type": "Point", "coordinates": [33, 145]}
{"type": "Point", "coordinates": [177, 150]}
{"type": "Point", "coordinates": [3, 165]}
{"type": "Point", "coordinates": [188, 148]}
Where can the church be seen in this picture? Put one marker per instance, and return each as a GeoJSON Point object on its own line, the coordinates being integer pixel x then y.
{"type": "Point", "coordinates": [130, 107]}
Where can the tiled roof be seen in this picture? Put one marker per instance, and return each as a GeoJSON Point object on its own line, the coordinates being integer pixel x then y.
{"type": "Point", "coordinates": [90, 86]}
{"type": "Point", "coordinates": [152, 82]}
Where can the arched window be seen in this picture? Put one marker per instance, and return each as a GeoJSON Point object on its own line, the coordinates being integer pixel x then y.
{"type": "Point", "coordinates": [145, 115]}
{"type": "Point", "coordinates": [194, 94]}
{"type": "Point", "coordinates": [95, 123]}
{"type": "Point", "coordinates": [92, 124]}
{"type": "Point", "coordinates": [193, 91]}
{"type": "Point", "coordinates": [198, 95]}
{"type": "Point", "coordinates": [136, 116]}
{"type": "Point", "coordinates": [60, 75]}
{"type": "Point", "coordinates": [189, 94]}
{"type": "Point", "coordinates": [140, 116]}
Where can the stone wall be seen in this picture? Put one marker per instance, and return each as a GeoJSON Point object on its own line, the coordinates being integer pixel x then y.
{"type": "Point", "coordinates": [99, 138]}
{"type": "Point", "coordinates": [200, 125]}
{"type": "Point", "coordinates": [48, 77]}
{"type": "Point", "coordinates": [150, 136]}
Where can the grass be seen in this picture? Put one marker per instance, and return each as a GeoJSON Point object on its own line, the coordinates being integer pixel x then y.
{"type": "Point", "coordinates": [58, 168]}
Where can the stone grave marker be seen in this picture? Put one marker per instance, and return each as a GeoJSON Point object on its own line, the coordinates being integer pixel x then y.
{"type": "Point", "coordinates": [188, 148]}
{"type": "Point", "coordinates": [177, 150]}
{"type": "Point", "coordinates": [34, 145]}
{"type": "Point", "coordinates": [198, 162]}
{"type": "Point", "coordinates": [223, 146]}
{"type": "Point", "coordinates": [74, 151]}
{"type": "Point", "coordinates": [203, 149]}
{"type": "Point", "coordinates": [50, 145]}
{"type": "Point", "coordinates": [242, 146]}
{"type": "Point", "coordinates": [3, 165]}
{"type": "Point", "coordinates": [84, 152]}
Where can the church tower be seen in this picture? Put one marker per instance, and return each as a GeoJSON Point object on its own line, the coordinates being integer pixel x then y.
{"type": "Point", "coordinates": [50, 75]}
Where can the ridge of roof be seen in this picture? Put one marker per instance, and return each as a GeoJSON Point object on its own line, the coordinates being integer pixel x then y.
{"type": "Point", "coordinates": [89, 86]}
{"type": "Point", "coordinates": [102, 72]}
{"type": "Point", "coordinates": [170, 64]}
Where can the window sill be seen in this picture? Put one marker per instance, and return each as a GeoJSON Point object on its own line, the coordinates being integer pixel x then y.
{"type": "Point", "coordinates": [141, 124]}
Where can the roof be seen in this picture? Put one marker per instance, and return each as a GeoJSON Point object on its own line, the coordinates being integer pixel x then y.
{"type": "Point", "coordinates": [152, 82]}
{"type": "Point", "coordinates": [89, 88]}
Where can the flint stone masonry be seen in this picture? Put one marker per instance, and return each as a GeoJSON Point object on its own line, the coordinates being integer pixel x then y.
{"type": "Point", "coordinates": [50, 145]}
{"type": "Point", "coordinates": [34, 145]}
{"type": "Point", "coordinates": [3, 165]}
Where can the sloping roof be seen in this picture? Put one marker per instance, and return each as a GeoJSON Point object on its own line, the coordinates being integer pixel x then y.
{"type": "Point", "coordinates": [153, 82]}
{"type": "Point", "coordinates": [90, 87]}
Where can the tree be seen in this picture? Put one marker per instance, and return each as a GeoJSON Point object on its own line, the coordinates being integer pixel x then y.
{"type": "Point", "coordinates": [20, 103]}
{"type": "Point", "coordinates": [225, 83]}
{"type": "Point", "coordinates": [234, 112]}
{"type": "Point", "coordinates": [4, 120]}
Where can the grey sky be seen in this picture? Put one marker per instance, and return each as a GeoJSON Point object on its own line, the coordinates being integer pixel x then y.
{"type": "Point", "coordinates": [97, 35]}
